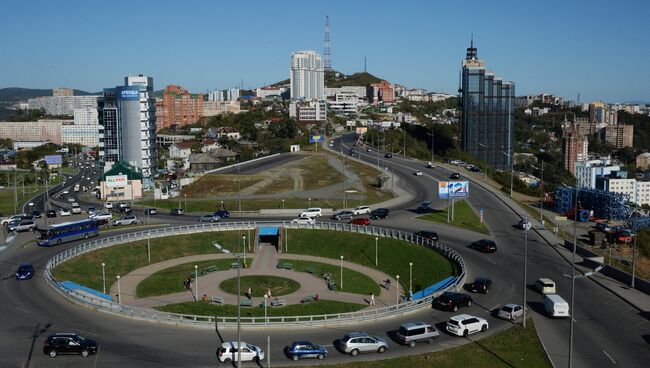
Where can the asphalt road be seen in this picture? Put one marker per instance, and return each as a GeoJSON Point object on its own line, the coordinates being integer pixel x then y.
{"type": "Point", "coordinates": [31, 310]}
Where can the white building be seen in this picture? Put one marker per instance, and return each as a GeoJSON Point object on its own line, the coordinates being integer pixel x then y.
{"type": "Point", "coordinates": [587, 171]}
{"type": "Point", "coordinates": [358, 91]}
{"type": "Point", "coordinates": [308, 111]}
{"type": "Point", "coordinates": [269, 91]}
{"type": "Point", "coordinates": [232, 94]}
{"type": "Point", "coordinates": [215, 95]}
{"type": "Point", "coordinates": [212, 108]}
{"type": "Point", "coordinates": [344, 104]}
{"type": "Point", "coordinates": [85, 135]}
{"type": "Point", "coordinates": [85, 116]}
{"type": "Point", "coordinates": [180, 150]}
{"type": "Point", "coordinates": [630, 187]}
{"type": "Point", "coordinates": [307, 77]}
{"type": "Point", "coordinates": [63, 105]}
{"type": "Point", "coordinates": [17, 145]}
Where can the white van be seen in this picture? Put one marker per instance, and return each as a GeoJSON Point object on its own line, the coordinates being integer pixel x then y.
{"type": "Point", "coordinates": [555, 306]}
{"type": "Point", "coordinates": [75, 208]}
{"type": "Point", "coordinates": [545, 286]}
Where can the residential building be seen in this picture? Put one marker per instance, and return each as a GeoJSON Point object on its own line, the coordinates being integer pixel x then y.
{"type": "Point", "coordinates": [380, 92]}
{"type": "Point", "coordinates": [619, 135]}
{"type": "Point", "coordinates": [212, 108]}
{"type": "Point", "coordinates": [270, 91]}
{"type": "Point", "coordinates": [62, 105]}
{"type": "Point", "coordinates": [178, 107]}
{"type": "Point", "coordinates": [306, 76]}
{"type": "Point", "coordinates": [60, 92]}
{"type": "Point", "coordinates": [232, 94]}
{"type": "Point", "coordinates": [215, 95]}
{"type": "Point", "coordinates": [209, 144]}
{"type": "Point", "coordinates": [86, 135]}
{"type": "Point", "coordinates": [643, 161]}
{"type": "Point", "coordinates": [586, 172]}
{"type": "Point", "coordinates": [228, 132]}
{"type": "Point", "coordinates": [631, 187]}
{"type": "Point", "coordinates": [584, 127]}
{"type": "Point", "coordinates": [344, 104]}
{"type": "Point", "coordinates": [596, 112]}
{"type": "Point", "coordinates": [181, 149]}
{"type": "Point", "coordinates": [128, 116]}
{"type": "Point", "coordinates": [85, 116]}
{"type": "Point", "coordinates": [360, 92]}
{"type": "Point", "coordinates": [33, 131]}
{"type": "Point", "coordinates": [206, 161]}
{"type": "Point", "coordinates": [487, 126]}
{"type": "Point", "coordinates": [574, 148]}
{"type": "Point", "coordinates": [18, 145]}
{"type": "Point", "coordinates": [308, 111]}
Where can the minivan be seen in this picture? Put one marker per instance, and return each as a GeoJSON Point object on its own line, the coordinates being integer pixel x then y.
{"type": "Point", "coordinates": [545, 286]}
{"type": "Point", "coordinates": [412, 332]}
{"type": "Point", "coordinates": [555, 306]}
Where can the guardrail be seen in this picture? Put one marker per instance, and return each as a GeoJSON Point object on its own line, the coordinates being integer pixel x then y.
{"type": "Point", "coordinates": [104, 305]}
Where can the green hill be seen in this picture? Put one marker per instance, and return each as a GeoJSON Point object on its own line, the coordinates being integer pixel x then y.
{"type": "Point", "coordinates": [15, 94]}
{"type": "Point", "coordinates": [356, 79]}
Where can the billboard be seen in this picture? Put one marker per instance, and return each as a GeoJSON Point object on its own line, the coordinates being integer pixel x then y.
{"type": "Point", "coordinates": [316, 138]}
{"type": "Point", "coordinates": [453, 189]}
{"type": "Point", "coordinates": [53, 159]}
{"type": "Point", "coordinates": [361, 130]}
{"type": "Point", "coordinates": [129, 93]}
{"type": "Point", "coordinates": [117, 181]}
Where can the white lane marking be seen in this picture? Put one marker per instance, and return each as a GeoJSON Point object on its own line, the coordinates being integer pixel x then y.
{"type": "Point", "coordinates": [491, 261]}
{"type": "Point", "coordinates": [610, 358]}
{"type": "Point", "coordinates": [21, 309]}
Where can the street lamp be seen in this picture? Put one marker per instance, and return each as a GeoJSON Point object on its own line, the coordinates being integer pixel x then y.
{"type": "Point", "coordinates": [196, 284]}
{"type": "Point", "coordinates": [283, 204]}
{"type": "Point", "coordinates": [376, 251]}
{"type": "Point", "coordinates": [525, 273]}
{"type": "Point", "coordinates": [512, 170]}
{"type": "Point", "coordinates": [119, 291]}
{"type": "Point", "coordinates": [104, 276]}
{"type": "Point", "coordinates": [410, 278]}
{"type": "Point", "coordinates": [432, 134]}
{"type": "Point", "coordinates": [149, 246]}
{"type": "Point", "coordinates": [541, 199]}
{"type": "Point", "coordinates": [265, 301]}
{"type": "Point", "coordinates": [397, 291]}
{"type": "Point", "coordinates": [244, 243]}
{"type": "Point", "coordinates": [309, 205]}
{"type": "Point", "coordinates": [484, 168]}
{"type": "Point", "coordinates": [341, 272]}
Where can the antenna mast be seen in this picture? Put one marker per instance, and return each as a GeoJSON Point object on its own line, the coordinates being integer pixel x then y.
{"type": "Point", "coordinates": [327, 54]}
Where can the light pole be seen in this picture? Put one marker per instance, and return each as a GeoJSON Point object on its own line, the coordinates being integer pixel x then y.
{"type": "Point", "coordinates": [283, 204]}
{"type": "Point", "coordinates": [636, 219]}
{"type": "Point", "coordinates": [525, 273]}
{"type": "Point", "coordinates": [341, 272]}
{"type": "Point", "coordinates": [265, 299]}
{"type": "Point", "coordinates": [119, 291]}
{"type": "Point", "coordinates": [104, 277]}
{"type": "Point", "coordinates": [196, 284]}
{"type": "Point", "coordinates": [573, 273]}
{"type": "Point", "coordinates": [149, 246]}
{"type": "Point", "coordinates": [244, 243]}
{"type": "Point", "coordinates": [376, 251]}
{"type": "Point", "coordinates": [485, 167]}
{"type": "Point", "coordinates": [397, 290]}
{"type": "Point", "coordinates": [512, 170]}
{"type": "Point", "coordinates": [309, 205]}
{"type": "Point", "coordinates": [541, 199]}
{"type": "Point", "coordinates": [410, 278]}
{"type": "Point", "coordinates": [222, 206]}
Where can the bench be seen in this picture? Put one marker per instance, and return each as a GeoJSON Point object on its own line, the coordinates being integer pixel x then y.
{"type": "Point", "coordinates": [278, 303]}
{"type": "Point", "coordinates": [286, 266]}
{"type": "Point", "coordinates": [208, 270]}
{"type": "Point", "coordinates": [331, 285]}
{"type": "Point", "coordinates": [246, 303]}
{"type": "Point", "coordinates": [216, 300]}
{"type": "Point", "coordinates": [310, 270]}
{"type": "Point", "coordinates": [308, 299]}
{"type": "Point", "coordinates": [327, 276]}
{"type": "Point", "coordinates": [234, 265]}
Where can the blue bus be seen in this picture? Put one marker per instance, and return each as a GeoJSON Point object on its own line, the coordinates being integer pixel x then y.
{"type": "Point", "coordinates": [66, 232]}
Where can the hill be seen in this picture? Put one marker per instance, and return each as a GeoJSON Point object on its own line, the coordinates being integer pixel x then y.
{"type": "Point", "coordinates": [356, 79]}
{"type": "Point", "coordinates": [15, 94]}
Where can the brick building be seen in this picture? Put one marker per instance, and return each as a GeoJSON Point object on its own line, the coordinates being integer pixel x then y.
{"type": "Point", "coordinates": [178, 107]}
{"type": "Point", "coordinates": [574, 148]}
{"type": "Point", "coordinates": [619, 135]}
{"type": "Point", "coordinates": [381, 92]}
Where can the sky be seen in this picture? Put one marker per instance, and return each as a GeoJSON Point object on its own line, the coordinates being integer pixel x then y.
{"type": "Point", "coordinates": [596, 48]}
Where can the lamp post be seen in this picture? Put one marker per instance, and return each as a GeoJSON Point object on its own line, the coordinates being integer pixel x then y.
{"type": "Point", "coordinates": [309, 205]}
{"type": "Point", "coordinates": [149, 246]}
{"type": "Point", "coordinates": [376, 251]}
{"type": "Point", "coordinates": [573, 273]}
{"type": "Point", "coordinates": [222, 206]}
{"type": "Point", "coordinates": [484, 168]}
{"type": "Point", "coordinates": [243, 237]}
{"type": "Point", "coordinates": [410, 278]}
{"type": "Point", "coordinates": [525, 273]}
{"type": "Point", "coordinates": [636, 219]}
{"type": "Point", "coordinates": [265, 299]}
{"type": "Point", "coordinates": [397, 290]}
{"type": "Point", "coordinates": [541, 199]}
{"type": "Point", "coordinates": [196, 283]}
{"type": "Point", "coordinates": [283, 204]}
{"type": "Point", "coordinates": [512, 170]}
{"type": "Point", "coordinates": [104, 277]}
{"type": "Point", "coordinates": [119, 291]}
{"type": "Point", "coordinates": [341, 272]}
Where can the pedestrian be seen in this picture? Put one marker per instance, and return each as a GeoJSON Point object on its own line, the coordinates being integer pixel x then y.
{"type": "Point", "coordinates": [268, 292]}
{"type": "Point", "coordinates": [205, 297]}
{"type": "Point", "coordinates": [250, 293]}
{"type": "Point", "coordinates": [387, 284]}
{"type": "Point", "coordinates": [372, 299]}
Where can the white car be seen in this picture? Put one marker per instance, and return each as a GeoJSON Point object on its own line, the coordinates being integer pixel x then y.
{"type": "Point", "coordinates": [464, 324]}
{"type": "Point", "coordinates": [75, 208]}
{"type": "Point", "coordinates": [511, 311]}
{"type": "Point", "coordinates": [525, 224]}
{"type": "Point", "coordinates": [361, 210]}
{"type": "Point", "coordinates": [417, 173]}
{"type": "Point", "coordinates": [101, 216]}
{"type": "Point", "coordinates": [311, 212]}
{"type": "Point", "coordinates": [71, 199]}
{"type": "Point", "coordinates": [126, 220]}
{"type": "Point", "coordinates": [303, 220]}
{"type": "Point", "coordinates": [228, 353]}
{"type": "Point", "coordinates": [108, 205]}
{"type": "Point", "coordinates": [64, 212]}
{"type": "Point", "coordinates": [430, 165]}
{"type": "Point", "coordinates": [65, 192]}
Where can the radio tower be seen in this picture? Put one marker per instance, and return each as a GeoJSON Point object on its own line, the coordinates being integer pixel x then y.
{"type": "Point", "coordinates": [327, 54]}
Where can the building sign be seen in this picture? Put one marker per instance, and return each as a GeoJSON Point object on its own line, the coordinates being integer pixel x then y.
{"type": "Point", "coordinates": [129, 93]}
{"type": "Point", "coordinates": [351, 123]}
{"type": "Point", "coordinates": [453, 189]}
{"type": "Point", "coordinates": [316, 138]}
{"type": "Point", "coordinates": [361, 130]}
{"type": "Point", "coordinates": [53, 159]}
{"type": "Point", "coordinates": [117, 181]}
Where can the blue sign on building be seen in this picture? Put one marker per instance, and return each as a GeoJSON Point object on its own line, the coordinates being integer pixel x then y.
{"type": "Point", "coordinates": [129, 93]}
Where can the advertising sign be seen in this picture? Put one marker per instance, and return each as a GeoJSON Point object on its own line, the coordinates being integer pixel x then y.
{"type": "Point", "coordinates": [351, 123]}
{"type": "Point", "coordinates": [131, 93]}
{"type": "Point", "coordinates": [117, 181]}
{"type": "Point", "coordinates": [453, 189]}
{"type": "Point", "coordinates": [361, 130]}
{"type": "Point", "coordinates": [316, 138]}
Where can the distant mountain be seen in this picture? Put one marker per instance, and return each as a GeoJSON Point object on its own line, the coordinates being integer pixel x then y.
{"type": "Point", "coordinates": [15, 94]}
{"type": "Point", "coordinates": [638, 102]}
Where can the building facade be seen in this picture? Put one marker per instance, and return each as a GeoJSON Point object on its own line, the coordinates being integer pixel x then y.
{"type": "Point", "coordinates": [85, 116]}
{"type": "Point", "coordinates": [59, 92]}
{"type": "Point", "coordinates": [128, 118]}
{"type": "Point", "coordinates": [619, 135]}
{"type": "Point", "coordinates": [380, 92]}
{"type": "Point", "coordinates": [178, 107]}
{"type": "Point", "coordinates": [643, 161]}
{"type": "Point", "coordinates": [306, 76]}
{"type": "Point", "coordinates": [574, 148]}
{"type": "Point", "coordinates": [232, 94]}
{"type": "Point", "coordinates": [487, 125]}
{"type": "Point", "coordinates": [631, 187]}
{"type": "Point", "coordinates": [212, 108]}
{"type": "Point", "coordinates": [62, 105]}
{"type": "Point", "coordinates": [33, 131]}
{"type": "Point", "coordinates": [86, 135]}
{"type": "Point", "coordinates": [586, 172]}
{"type": "Point", "coordinates": [308, 111]}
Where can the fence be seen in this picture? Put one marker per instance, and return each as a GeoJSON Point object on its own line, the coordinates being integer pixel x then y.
{"type": "Point", "coordinates": [103, 305]}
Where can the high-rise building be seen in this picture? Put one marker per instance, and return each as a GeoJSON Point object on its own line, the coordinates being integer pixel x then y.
{"type": "Point", "coordinates": [62, 105]}
{"type": "Point", "coordinates": [128, 116]}
{"type": "Point", "coordinates": [307, 77]}
{"type": "Point", "coordinates": [381, 92]}
{"type": "Point", "coordinates": [178, 107]}
{"type": "Point", "coordinates": [487, 125]}
{"type": "Point", "coordinates": [32, 131]}
{"type": "Point", "coordinates": [232, 94]}
{"type": "Point", "coordinates": [85, 116]}
{"type": "Point", "coordinates": [619, 135]}
{"type": "Point", "coordinates": [574, 148]}
{"type": "Point", "coordinates": [215, 95]}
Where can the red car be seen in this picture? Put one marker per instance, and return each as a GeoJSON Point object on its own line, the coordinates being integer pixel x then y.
{"type": "Point", "coordinates": [360, 221]}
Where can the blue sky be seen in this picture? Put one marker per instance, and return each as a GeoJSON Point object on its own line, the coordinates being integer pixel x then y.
{"type": "Point", "coordinates": [596, 48]}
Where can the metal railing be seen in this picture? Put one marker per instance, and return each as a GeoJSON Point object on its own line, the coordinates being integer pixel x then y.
{"type": "Point", "coordinates": [104, 305]}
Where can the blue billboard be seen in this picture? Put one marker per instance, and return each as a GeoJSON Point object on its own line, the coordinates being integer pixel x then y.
{"type": "Point", "coordinates": [316, 138]}
{"type": "Point", "coordinates": [453, 189]}
{"type": "Point", "coordinates": [129, 93]}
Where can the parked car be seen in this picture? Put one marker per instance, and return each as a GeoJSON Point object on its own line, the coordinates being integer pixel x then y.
{"type": "Point", "coordinates": [91, 210]}
{"type": "Point", "coordinates": [431, 235]}
{"type": "Point", "coordinates": [451, 301]}
{"type": "Point", "coordinates": [360, 221]}
{"type": "Point", "coordinates": [474, 169]}
{"type": "Point", "coordinates": [511, 311]}
{"type": "Point", "coordinates": [126, 210]}
{"type": "Point", "coordinates": [379, 213]}
{"type": "Point", "coordinates": [20, 216]}
{"type": "Point", "coordinates": [525, 224]}
{"type": "Point", "coordinates": [209, 218]}
{"type": "Point", "coordinates": [305, 349]}
{"type": "Point", "coordinates": [21, 225]}
{"type": "Point", "coordinates": [545, 286]}
{"type": "Point", "coordinates": [228, 352]}
{"type": "Point", "coordinates": [122, 205]}
{"type": "Point", "coordinates": [343, 215]}
{"type": "Point", "coordinates": [50, 213]}
{"type": "Point", "coordinates": [177, 212]}
{"type": "Point", "coordinates": [413, 332]}
{"type": "Point", "coordinates": [64, 212]}
{"type": "Point", "coordinates": [303, 220]}
{"type": "Point", "coordinates": [126, 220]}
{"type": "Point", "coordinates": [71, 199]}
{"type": "Point", "coordinates": [37, 214]}
{"type": "Point", "coordinates": [311, 212]}
{"type": "Point", "coordinates": [75, 208]}
{"type": "Point", "coordinates": [454, 176]}
{"type": "Point", "coordinates": [484, 245]}
{"type": "Point", "coordinates": [388, 155]}
{"type": "Point", "coordinates": [108, 205]}
{"type": "Point", "coordinates": [417, 173]}
{"type": "Point", "coordinates": [354, 343]}
{"type": "Point", "coordinates": [69, 343]}
{"type": "Point", "coordinates": [25, 272]}
{"type": "Point", "coordinates": [464, 324]}
{"type": "Point", "coordinates": [151, 211]}
{"type": "Point", "coordinates": [425, 207]}
{"type": "Point", "coordinates": [361, 210]}
{"type": "Point", "coordinates": [480, 285]}
{"type": "Point", "coordinates": [102, 216]}
{"type": "Point", "coordinates": [222, 213]}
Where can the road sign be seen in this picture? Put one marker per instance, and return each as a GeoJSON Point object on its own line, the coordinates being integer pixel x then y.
{"type": "Point", "coordinates": [481, 214]}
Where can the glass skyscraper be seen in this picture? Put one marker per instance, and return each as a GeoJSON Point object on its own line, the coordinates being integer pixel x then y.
{"type": "Point", "coordinates": [487, 129]}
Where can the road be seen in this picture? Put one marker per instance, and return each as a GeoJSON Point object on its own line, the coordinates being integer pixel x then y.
{"type": "Point", "coordinates": [31, 310]}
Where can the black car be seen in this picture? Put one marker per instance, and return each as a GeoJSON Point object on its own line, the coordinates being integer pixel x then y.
{"type": "Point", "coordinates": [37, 214]}
{"type": "Point", "coordinates": [50, 213]}
{"type": "Point", "coordinates": [480, 285]}
{"type": "Point", "coordinates": [177, 212]}
{"type": "Point", "coordinates": [474, 169]}
{"type": "Point", "coordinates": [126, 210]}
{"type": "Point", "coordinates": [454, 176]}
{"type": "Point", "coordinates": [69, 343]}
{"type": "Point", "coordinates": [379, 213]}
{"type": "Point", "coordinates": [222, 213]}
{"type": "Point", "coordinates": [484, 245]}
{"type": "Point", "coordinates": [25, 272]}
{"type": "Point", "coordinates": [452, 301]}
{"type": "Point", "coordinates": [432, 235]}
{"type": "Point", "coordinates": [151, 211]}
{"type": "Point", "coordinates": [388, 155]}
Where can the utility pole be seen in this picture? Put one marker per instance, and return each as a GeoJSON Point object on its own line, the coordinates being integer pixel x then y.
{"type": "Point", "coordinates": [636, 219]}
{"type": "Point", "coordinates": [15, 191]}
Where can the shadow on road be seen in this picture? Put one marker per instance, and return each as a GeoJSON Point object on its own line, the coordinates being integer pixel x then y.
{"type": "Point", "coordinates": [38, 331]}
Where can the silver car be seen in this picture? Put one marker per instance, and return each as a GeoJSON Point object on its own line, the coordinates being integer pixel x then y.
{"type": "Point", "coordinates": [354, 343]}
{"type": "Point", "coordinates": [511, 311]}
{"type": "Point", "coordinates": [343, 215]}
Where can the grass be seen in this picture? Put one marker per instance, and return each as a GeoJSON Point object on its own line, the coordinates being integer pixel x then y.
{"type": "Point", "coordinates": [122, 259]}
{"type": "Point", "coordinates": [312, 308]}
{"type": "Point", "coordinates": [429, 267]}
{"type": "Point", "coordinates": [316, 172]}
{"type": "Point", "coordinates": [260, 284]}
{"type": "Point", "coordinates": [355, 282]}
{"type": "Point", "coordinates": [219, 184]}
{"type": "Point", "coordinates": [464, 217]}
{"type": "Point", "coordinates": [513, 348]}
{"type": "Point", "coordinates": [170, 280]}
{"type": "Point", "coordinates": [23, 194]}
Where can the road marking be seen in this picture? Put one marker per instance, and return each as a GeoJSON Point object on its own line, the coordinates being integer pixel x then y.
{"type": "Point", "coordinates": [491, 261]}
{"type": "Point", "coordinates": [610, 358]}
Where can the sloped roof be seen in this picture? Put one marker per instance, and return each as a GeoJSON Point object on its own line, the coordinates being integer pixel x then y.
{"type": "Point", "coordinates": [122, 168]}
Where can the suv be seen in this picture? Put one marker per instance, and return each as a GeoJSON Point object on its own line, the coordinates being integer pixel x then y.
{"type": "Point", "coordinates": [21, 225]}
{"type": "Point", "coordinates": [464, 324]}
{"type": "Point", "coordinates": [75, 208]}
{"type": "Point", "coordinates": [222, 213]}
{"type": "Point", "coordinates": [69, 343]}
{"type": "Point", "coordinates": [354, 343]}
{"type": "Point", "coordinates": [379, 213]}
{"type": "Point", "coordinates": [305, 349]}
{"type": "Point", "coordinates": [452, 301]}
{"type": "Point", "coordinates": [343, 215]}
{"type": "Point", "coordinates": [361, 210]}
{"type": "Point", "coordinates": [425, 207]}
{"type": "Point", "coordinates": [311, 212]}
{"type": "Point", "coordinates": [484, 245]}
{"type": "Point", "coordinates": [102, 216]}
{"type": "Point", "coordinates": [431, 235]}
{"type": "Point", "coordinates": [21, 216]}
{"type": "Point", "coordinates": [177, 212]}
{"type": "Point", "coordinates": [50, 213]}
{"type": "Point", "coordinates": [480, 285]}
{"type": "Point", "coordinates": [412, 332]}
{"type": "Point", "coordinates": [126, 220]}
{"type": "Point", "coordinates": [108, 205]}
{"type": "Point", "coordinates": [228, 352]}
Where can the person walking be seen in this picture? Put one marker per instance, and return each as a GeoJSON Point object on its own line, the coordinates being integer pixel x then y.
{"type": "Point", "coordinates": [249, 293]}
{"type": "Point", "coordinates": [372, 299]}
